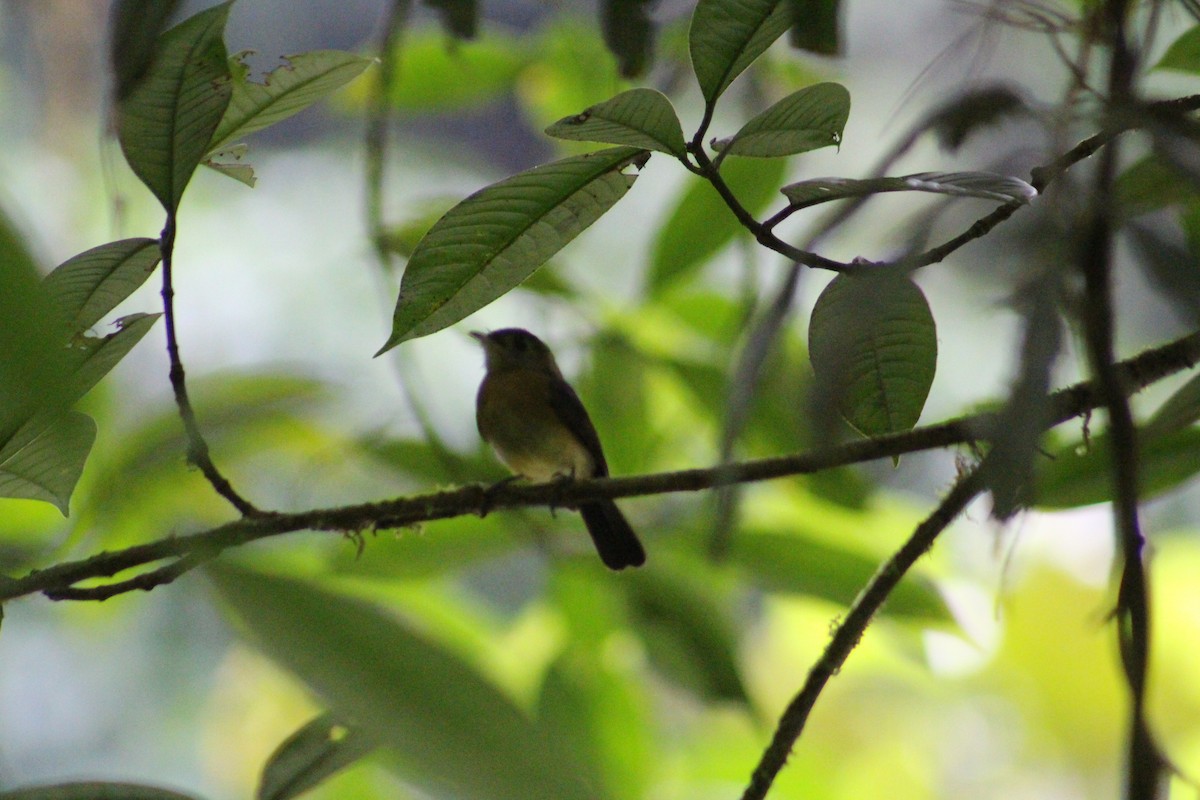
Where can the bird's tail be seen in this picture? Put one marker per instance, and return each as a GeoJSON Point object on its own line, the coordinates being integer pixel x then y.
{"type": "Point", "coordinates": [616, 542]}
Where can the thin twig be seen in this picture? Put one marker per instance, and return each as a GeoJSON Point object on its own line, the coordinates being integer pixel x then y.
{"type": "Point", "coordinates": [375, 145]}
{"type": "Point", "coordinates": [197, 448]}
{"type": "Point", "coordinates": [847, 634]}
{"type": "Point", "coordinates": [1065, 404]}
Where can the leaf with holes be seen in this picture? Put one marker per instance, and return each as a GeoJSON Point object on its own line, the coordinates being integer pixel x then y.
{"type": "Point", "coordinates": [638, 118]}
{"type": "Point", "coordinates": [873, 345]}
{"type": "Point", "coordinates": [496, 238]}
{"type": "Point", "coordinates": [728, 35]}
{"type": "Point", "coordinates": [805, 120]}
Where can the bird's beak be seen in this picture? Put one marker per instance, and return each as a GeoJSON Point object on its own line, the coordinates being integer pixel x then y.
{"type": "Point", "coordinates": [478, 336]}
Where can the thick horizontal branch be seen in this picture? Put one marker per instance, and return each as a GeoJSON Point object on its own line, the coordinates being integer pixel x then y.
{"type": "Point", "coordinates": [60, 581]}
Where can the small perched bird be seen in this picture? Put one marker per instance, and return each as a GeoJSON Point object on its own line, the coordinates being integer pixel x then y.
{"type": "Point", "coordinates": [538, 427]}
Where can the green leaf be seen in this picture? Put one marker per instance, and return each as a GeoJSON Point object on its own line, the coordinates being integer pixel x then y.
{"type": "Point", "coordinates": [167, 121]}
{"type": "Point", "coordinates": [815, 26]}
{"type": "Point", "coordinates": [1178, 411]}
{"type": "Point", "coordinates": [687, 631]}
{"type": "Point", "coordinates": [496, 238]}
{"type": "Point", "coordinates": [44, 458]}
{"type": "Point", "coordinates": [287, 90]}
{"type": "Point", "coordinates": [242, 173]}
{"type": "Point", "coordinates": [727, 35]}
{"type": "Point", "coordinates": [313, 753]}
{"type": "Point", "coordinates": [1150, 184]}
{"type": "Point", "coordinates": [94, 358]}
{"type": "Point", "coordinates": [805, 120]}
{"type": "Point", "coordinates": [1080, 474]}
{"type": "Point", "coordinates": [87, 286]}
{"type": "Point", "coordinates": [1184, 53]}
{"type": "Point", "coordinates": [984, 185]}
{"type": "Point", "coordinates": [94, 791]}
{"type": "Point", "coordinates": [702, 225]}
{"type": "Point", "coordinates": [451, 731]}
{"type": "Point", "coordinates": [873, 346]}
{"type": "Point", "coordinates": [779, 562]}
{"type": "Point", "coordinates": [639, 118]}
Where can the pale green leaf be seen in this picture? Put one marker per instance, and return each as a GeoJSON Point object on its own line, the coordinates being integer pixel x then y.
{"type": "Point", "coordinates": [638, 118]}
{"type": "Point", "coordinates": [496, 238]}
{"type": "Point", "coordinates": [167, 121]}
{"type": "Point", "coordinates": [805, 120]}
{"type": "Point", "coordinates": [87, 286]}
{"type": "Point", "coordinates": [448, 729]}
{"type": "Point", "coordinates": [728, 35]}
{"type": "Point", "coordinates": [873, 346]}
{"type": "Point", "coordinates": [287, 90]}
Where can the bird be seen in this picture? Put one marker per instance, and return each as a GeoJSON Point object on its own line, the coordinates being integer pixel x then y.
{"type": "Point", "coordinates": [539, 429]}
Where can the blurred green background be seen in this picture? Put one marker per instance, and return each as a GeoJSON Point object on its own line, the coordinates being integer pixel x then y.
{"type": "Point", "coordinates": [993, 673]}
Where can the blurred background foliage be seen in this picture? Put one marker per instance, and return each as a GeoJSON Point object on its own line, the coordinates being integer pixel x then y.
{"type": "Point", "coordinates": [993, 672]}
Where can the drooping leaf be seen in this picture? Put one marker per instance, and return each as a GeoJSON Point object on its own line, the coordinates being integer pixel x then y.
{"type": "Point", "coordinates": [811, 118]}
{"type": "Point", "coordinates": [638, 118]}
{"type": "Point", "coordinates": [86, 287]}
{"type": "Point", "coordinates": [497, 237]}
{"type": "Point", "coordinates": [628, 33]}
{"type": "Point", "coordinates": [815, 26]}
{"type": "Point", "coordinates": [167, 121]}
{"type": "Point", "coordinates": [44, 458]}
{"type": "Point", "coordinates": [702, 225]}
{"type": "Point", "coordinates": [286, 90]}
{"type": "Point", "coordinates": [779, 562]}
{"type": "Point", "coordinates": [984, 185]}
{"type": "Point", "coordinates": [1080, 474]}
{"type": "Point", "coordinates": [134, 27]}
{"type": "Point", "coordinates": [728, 35]}
{"type": "Point", "coordinates": [320, 748]}
{"type": "Point", "coordinates": [873, 346]}
{"type": "Point", "coordinates": [449, 730]}
{"type": "Point", "coordinates": [94, 790]}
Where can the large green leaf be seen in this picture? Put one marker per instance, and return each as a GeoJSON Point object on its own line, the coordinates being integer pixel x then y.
{"type": "Point", "coordinates": [94, 790]}
{"type": "Point", "coordinates": [87, 286]}
{"type": "Point", "coordinates": [641, 118]}
{"type": "Point", "coordinates": [702, 224]}
{"type": "Point", "coordinates": [166, 122]}
{"type": "Point", "coordinates": [44, 458]}
{"type": "Point", "coordinates": [778, 562]}
{"type": "Point", "coordinates": [496, 238]}
{"type": "Point", "coordinates": [873, 346]}
{"type": "Point", "coordinates": [450, 731]}
{"type": "Point", "coordinates": [727, 35]}
{"type": "Point", "coordinates": [287, 90]}
{"type": "Point", "coordinates": [805, 120]}
{"type": "Point", "coordinates": [983, 185]}
{"type": "Point", "coordinates": [322, 747]}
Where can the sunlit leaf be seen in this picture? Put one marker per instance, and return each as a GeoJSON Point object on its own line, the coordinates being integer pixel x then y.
{"type": "Point", "coordinates": [86, 287]}
{"type": "Point", "coordinates": [167, 121]}
{"type": "Point", "coordinates": [702, 224]}
{"type": "Point", "coordinates": [984, 185]}
{"type": "Point", "coordinates": [805, 120]}
{"type": "Point", "coordinates": [286, 90]}
{"type": "Point", "coordinates": [496, 238]}
{"type": "Point", "coordinates": [727, 35]}
{"type": "Point", "coordinates": [873, 346]}
{"type": "Point", "coordinates": [44, 458]}
{"type": "Point", "coordinates": [320, 748]}
{"type": "Point", "coordinates": [450, 731]}
{"type": "Point", "coordinates": [779, 562]}
{"type": "Point", "coordinates": [639, 118]}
